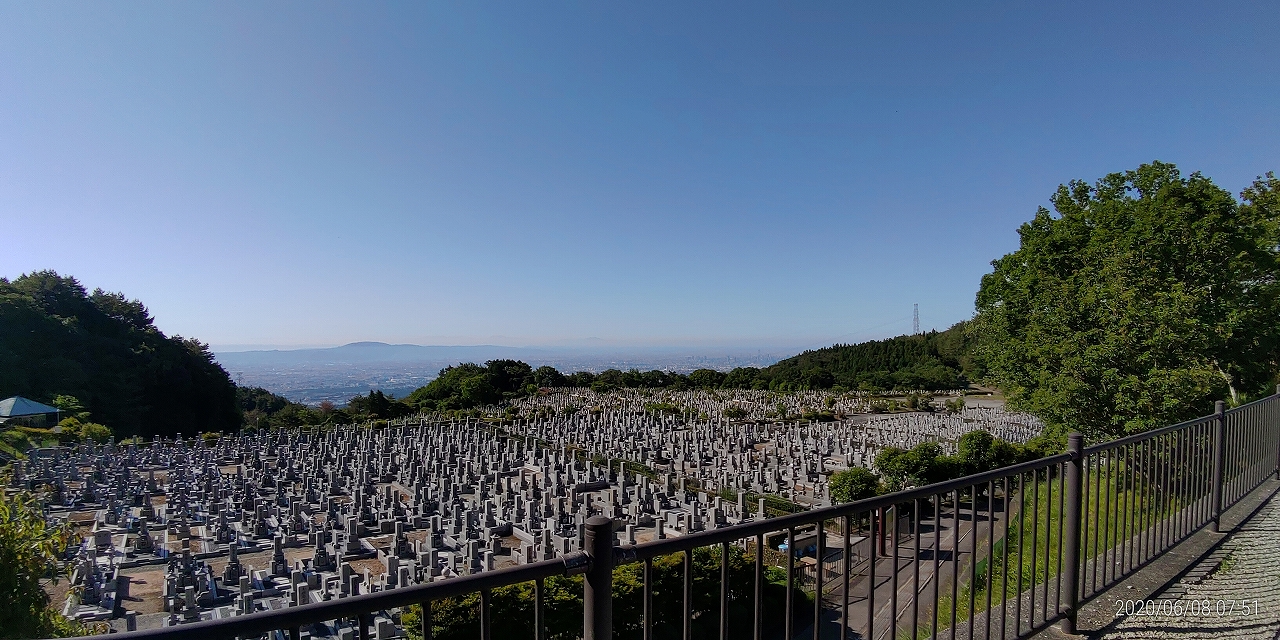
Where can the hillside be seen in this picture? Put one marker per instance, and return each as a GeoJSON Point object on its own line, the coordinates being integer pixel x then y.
{"type": "Point", "coordinates": [934, 360]}
{"type": "Point", "coordinates": [101, 348]}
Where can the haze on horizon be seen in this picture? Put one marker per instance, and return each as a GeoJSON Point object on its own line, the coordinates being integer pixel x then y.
{"type": "Point", "coordinates": [314, 174]}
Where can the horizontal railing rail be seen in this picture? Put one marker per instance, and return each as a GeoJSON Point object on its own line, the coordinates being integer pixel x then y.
{"type": "Point", "coordinates": [711, 537]}
{"type": "Point", "coordinates": [1145, 435]}
{"type": "Point", "coordinates": [999, 554]}
{"type": "Point", "coordinates": [355, 606]}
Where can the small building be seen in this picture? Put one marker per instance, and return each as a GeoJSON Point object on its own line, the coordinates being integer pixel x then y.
{"type": "Point", "coordinates": [21, 411]}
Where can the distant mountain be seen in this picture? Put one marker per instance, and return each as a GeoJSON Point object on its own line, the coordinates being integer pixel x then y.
{"type": "Point", "coordinates": [586, 357]}
{"type": "Point", "coordinates": [369, 352]}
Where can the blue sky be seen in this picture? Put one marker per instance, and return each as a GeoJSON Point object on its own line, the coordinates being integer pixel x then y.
{"type": "Point", "coordinates": [647, 173]}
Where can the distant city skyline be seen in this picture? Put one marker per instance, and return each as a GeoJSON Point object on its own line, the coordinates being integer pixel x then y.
{"type": "Point", "coordinates": [301, 174]}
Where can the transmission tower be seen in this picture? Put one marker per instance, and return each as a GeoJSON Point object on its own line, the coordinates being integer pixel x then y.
{"type": "Point", "coordinates": [915, 320]}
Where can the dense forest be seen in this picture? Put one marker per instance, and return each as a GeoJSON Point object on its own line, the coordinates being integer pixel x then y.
{"type": "Point", "coordinates": [934, 360]}
{"type": "Point", "coordinates": [56, 339]}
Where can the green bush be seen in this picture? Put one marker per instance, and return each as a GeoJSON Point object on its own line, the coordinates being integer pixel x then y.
{"type": "Point", "coordinates": [94, 432]}
{"type": "Point", "coordinates": [662, 407]}
{"type": "Point", "coordinates": [29, 549]}
{"type": "Point", "coordinates": [854, 484]}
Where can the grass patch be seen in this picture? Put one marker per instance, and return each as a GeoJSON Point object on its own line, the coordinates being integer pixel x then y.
{"type": "Point", "coordinates": [1115, 509]}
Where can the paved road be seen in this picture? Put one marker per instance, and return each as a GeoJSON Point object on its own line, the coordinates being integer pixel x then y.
{"type": "Point", "coordinates": [947, 534]}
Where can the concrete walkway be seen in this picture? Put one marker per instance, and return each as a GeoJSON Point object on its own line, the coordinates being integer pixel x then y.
{"type": "Point", "coordinates": [1231, 594]}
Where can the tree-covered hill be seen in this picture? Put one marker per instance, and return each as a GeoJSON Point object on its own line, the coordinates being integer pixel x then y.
{"type": "Point", "coordinates": [102, 348]}
{"type": "Point", "coordinates": [934, 360]}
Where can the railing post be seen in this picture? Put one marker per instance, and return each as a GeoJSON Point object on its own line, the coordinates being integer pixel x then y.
{"type": "Point", "coordinates": [1276, 428]}
{"type": "Point", "coordinates": [1219, 452]}
{"type": "Point", "coordinates": [597, 593]}
{"type": "Point", "coordinates": [1071, 530]}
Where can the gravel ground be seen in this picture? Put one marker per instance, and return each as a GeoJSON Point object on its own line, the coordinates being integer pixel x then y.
{"type": "Point", "coordinates": [1239, 599]}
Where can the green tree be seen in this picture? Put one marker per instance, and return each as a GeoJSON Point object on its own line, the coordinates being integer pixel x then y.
{"type": "Point", "coordinates": [29, 549]}
{"type": "Point", "coordinates": [447, 390]}
{"type": "Point", "coordinates": [922, 464]}
{"type": "Point", "coordinates": [376, 405]}
{"type": "Point", "coordinates": [853, 484]}
{"type": "Point", "coordinates": [893, 463]}
{"type": "Point", "coordinates": [478, 391]}
{"type": "Point", "coordinates": [1139, 301]}
{"type": "Point", "coordinates": [817, 378]}
{"type": "Point", "coordinates": [508, 377]}
{"type": "Point", "coordinates": [608, 380]}
{"type": "Point", "coordinates": [259, 399]}
{"type": "Point", "coordinates": [979, 451]}
{"type": "Point", "coordinates": [71, 407]}
{"type": "Point", "coordinates": [71, 430]}
{"type": "Point", "coordinates": [974, 451]}
{"type": "Point", "coordinates": [741, 378]}
{"type": "Point", "coordinates": [548, 376]}
{"type": "Point", "coordinates": [706, 378]}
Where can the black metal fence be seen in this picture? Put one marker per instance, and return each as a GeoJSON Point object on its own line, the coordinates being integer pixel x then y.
{"type": "Point", "coordinates": [980, 556]}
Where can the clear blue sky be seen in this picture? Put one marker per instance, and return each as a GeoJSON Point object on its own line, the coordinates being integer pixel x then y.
{"type": "Point", "coordinates": [524, 173]}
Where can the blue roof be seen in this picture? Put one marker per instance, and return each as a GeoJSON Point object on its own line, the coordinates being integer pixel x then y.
{"type": "Point", "coordinates": [19, 406]}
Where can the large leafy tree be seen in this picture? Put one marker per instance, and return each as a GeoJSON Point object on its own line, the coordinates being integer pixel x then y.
{"type": "Point", "coordinates": [1137, 302]}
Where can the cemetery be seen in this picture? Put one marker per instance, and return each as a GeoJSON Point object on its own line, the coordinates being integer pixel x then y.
{"type": "Point", "coordinates": [182, 530]}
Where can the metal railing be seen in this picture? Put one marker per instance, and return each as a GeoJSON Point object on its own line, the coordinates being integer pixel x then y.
{"type": "Point", "coordinates": [979, 556]}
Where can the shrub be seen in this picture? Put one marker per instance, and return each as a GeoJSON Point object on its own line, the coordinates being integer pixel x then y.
{"type": "Point", "coordinates": [854, 484]}
{"type": "Point", "coordinates": [29, 549]}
